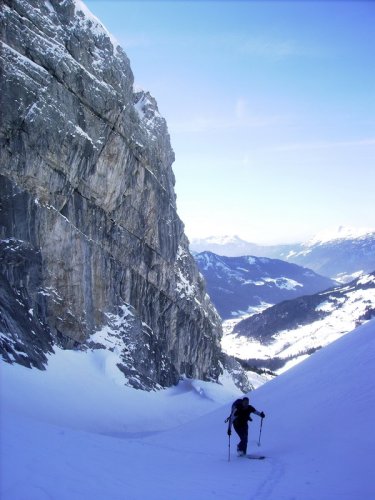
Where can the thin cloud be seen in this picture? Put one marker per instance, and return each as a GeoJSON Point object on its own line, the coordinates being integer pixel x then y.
{"type": "Point", "coordinates": [199, 124]}
{"type": "Point", "coordinates": [324, 145]}
{"type": "Point", "coordinates": [243, 44]}
{"type": "Point", "coordinates": [136, 41]}
{"type": "Point", "coordinates": [276, 49]}
{"type": "Point", "coordinates": [239, 119]}
{"type": "Point", "coordinates": [241, 108]}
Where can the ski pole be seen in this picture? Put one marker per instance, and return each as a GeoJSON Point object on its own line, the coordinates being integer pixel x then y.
{"type": "Point", "coordinates": [260, 431]}
{"type": "Point", "coordinates": [229, 448]}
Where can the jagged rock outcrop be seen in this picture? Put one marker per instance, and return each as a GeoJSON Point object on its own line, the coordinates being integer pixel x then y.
{"type": "Point", "coordinates": [88, 210]}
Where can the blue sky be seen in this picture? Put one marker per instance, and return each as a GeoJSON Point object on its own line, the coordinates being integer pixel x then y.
{"type": "Point", "coordinates": [270, 107]}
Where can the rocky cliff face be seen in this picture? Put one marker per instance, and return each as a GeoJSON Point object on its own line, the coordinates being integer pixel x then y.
{"type": "Point", "coordinates": [93, 252]}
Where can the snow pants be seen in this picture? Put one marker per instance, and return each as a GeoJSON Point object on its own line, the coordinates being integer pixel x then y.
{"type": "Point", "coordinates": [242, 431]}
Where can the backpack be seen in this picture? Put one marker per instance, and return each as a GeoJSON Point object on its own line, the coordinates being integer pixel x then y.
{"type": "Point", "coordinates": [235, 406]}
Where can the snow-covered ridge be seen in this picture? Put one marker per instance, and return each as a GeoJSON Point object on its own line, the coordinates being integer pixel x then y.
{"type": "Point", "coordinates": [146, 105]}
{"type": "Point", "coordinates": [94, 23]}
{"type": "Point", "coordinates": [341, 254]}
{"type": "Point", "coordinates": [148, 113]}
{"type": "Point", "coordinates": [339, 233]}
{"type": "Point", "coordinates": [324, 236]}
{"type": "Point", "coordinates": [219, 240]}
{"type": "Point", "coordinates": [328, 316]}
{"type": "Point", "coordinates": [238, 284]}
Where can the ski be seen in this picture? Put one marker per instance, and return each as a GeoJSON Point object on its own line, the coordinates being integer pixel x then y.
{"type": "Point", "coordinates": [255, 457]}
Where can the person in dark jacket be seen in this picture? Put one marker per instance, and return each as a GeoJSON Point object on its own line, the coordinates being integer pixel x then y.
{"type": "Point", "coordinates": [239, 418]}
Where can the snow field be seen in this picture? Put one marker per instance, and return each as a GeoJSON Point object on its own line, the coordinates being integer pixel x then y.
{"type": "Point", "coordinates": [73, 432]}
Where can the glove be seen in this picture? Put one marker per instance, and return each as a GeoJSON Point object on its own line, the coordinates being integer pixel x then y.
{"type": "Point", "coordinates": [229, 432]}
{"type": "Point", "coordinates": [262, 414]}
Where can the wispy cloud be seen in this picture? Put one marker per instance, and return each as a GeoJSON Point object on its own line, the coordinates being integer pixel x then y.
{"type": "Point", "coordinates": [241, 108]}
{"type": "Point", "coordinates": [324, 145]}
{"type": "Point", "coordinates": [200, 124]}
{"type": "Point", "coordinates": [243, 44]}
{"type": "Point", "coordinates": [141, 40]}
{"type": "Point", "coordinates": [240, 117]}
{"type": "Point", "coordinates": [276, 48]}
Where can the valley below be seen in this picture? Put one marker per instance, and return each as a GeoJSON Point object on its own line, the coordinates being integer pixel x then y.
{"type": "Point", "coordinates": [272, 341]}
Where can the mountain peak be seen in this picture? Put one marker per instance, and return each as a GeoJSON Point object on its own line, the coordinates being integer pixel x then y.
{"type": "Point", "coordinates": [339, 233]}
{"type": "Point", "coordinates": [220, 239]}
{"type": "Point", "coordinates": [95, 25]}
{"type": "Point", "coordinates": [238, 285]}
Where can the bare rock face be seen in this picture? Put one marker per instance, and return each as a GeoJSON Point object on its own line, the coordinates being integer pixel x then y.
{"type": "Point", "coordinates": [91, 240]}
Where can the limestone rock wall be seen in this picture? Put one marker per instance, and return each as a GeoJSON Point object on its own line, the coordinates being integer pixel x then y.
{"type": "Point", "coordinates": [87, 186]}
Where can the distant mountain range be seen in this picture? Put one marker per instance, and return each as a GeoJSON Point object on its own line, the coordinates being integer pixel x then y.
{"type": "Point", "coordinates": [240, 285]}
{"type": "Point", "coordinates": [234, 246]}
{"type": "Point", "coordinates": [342, 254]}
{"type": "Point", "coordinates": [291, 330]}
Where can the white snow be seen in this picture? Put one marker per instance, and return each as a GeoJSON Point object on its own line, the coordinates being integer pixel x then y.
{"type": "Point", "coordinates": [96, 26]}
{"type": "Point", "coordinates": [343, 314]}
{"type": "Point", "coordinates": [149, 115]}
{"type": "Point", "coordinates": [346, 278]}
{"type": "Point", "coordinates": [240, 315]}
{"type": "Point", "coordinates": [71, 433]}
{"type": "Point", "coordinates": [284, 283]}
{"type": "Point", "coordinates": [218, 240]}
{"type": "Point", "coordinates": [23, 60]}
{"type": "Point", "coordinates": [49, 6]}
{"type": "Point", "coordinates": [326, 306]}
{"type": "Point", "coordinates": [141, 105]}
{"type": "Point", "coordinates": [339, 233]}
{"type": "Point", "coordinates": [184, 285]}
{"type": "Point", "coordinates": [366, 279]}
{"type": "Point", "coordinates": [207, 261]}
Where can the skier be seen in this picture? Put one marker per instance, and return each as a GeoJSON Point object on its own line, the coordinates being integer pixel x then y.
{"type": "Point", "coordinates": [241, 411]}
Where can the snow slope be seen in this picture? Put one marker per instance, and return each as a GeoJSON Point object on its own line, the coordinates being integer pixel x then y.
{"type": "Point", "coordinates": [237, 285]}
{"type": "Point", "coordinates": [296, 328]}
{"type": "Point", "coordinates": [73, 433]}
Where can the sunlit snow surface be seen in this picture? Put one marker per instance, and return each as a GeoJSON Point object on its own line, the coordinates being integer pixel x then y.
{"type": "Point", "coordinates": [343, 314]}
{"type": "Point", "coordinates": [72, 432]}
